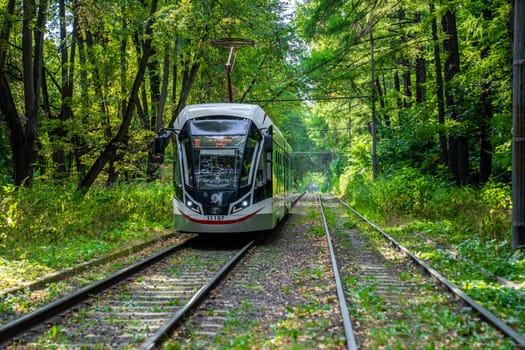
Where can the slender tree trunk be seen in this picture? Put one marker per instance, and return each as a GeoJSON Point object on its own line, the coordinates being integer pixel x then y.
{"type": "Point", "coordinates": [155, 160]}
{"type": "Point", "coordinates": [397, 87]}
{"type": "Point", "coordinates": [23, 129]}
{"type": "Point", "coordinates": [421, 79]}
{"type": "Point", "coordinates": [458, 148]}
{"type": "Point", "coordinates": [485, 156]}
{"type": "Point", "coordinates": [381, 98]}
{"type": "Point", "coordinates": [66, 92]}
{"type": "Point", "coordinates": [30, 98]}
{"type": "Point", "coordinates": [421, 69]}
{"type": "Point", "coordinates": [439, 90]}
{"type": "Point", "coordinates": [174, 85]}
{"type": "Point", "coordinates": [155, 86]}
{"type": "Point", "coordinates": [407, 83]}
{"type": "Point", "coordinates": [375, 163]}
{"type": "Point", "coordinates": [159, 123]}
{"type": "Point", "coordinates": [113, 145]}
{"type": "Point", "coordinates": [80, 145]}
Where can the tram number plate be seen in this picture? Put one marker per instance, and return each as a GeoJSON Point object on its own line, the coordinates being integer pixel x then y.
{"type": "Point", "coordinates": [215, 217]}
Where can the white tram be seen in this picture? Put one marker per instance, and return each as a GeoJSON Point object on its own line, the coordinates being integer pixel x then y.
{"type": "Point", "coordinates": [232, 170]}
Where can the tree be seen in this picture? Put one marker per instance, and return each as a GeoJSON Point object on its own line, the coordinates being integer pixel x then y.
{"type": "Point", "coordinates": [439, 87]}
{"type": "Point", "coordinates": [23, 124]}
{"type": "Point", "coordinates": [112, 147]}
{"type": "Point", "coordinates": [458, 145]}
{"type": "Point", "coordinates": [460, 120]}
{"type": "Point", "coordinates": [67, 63]}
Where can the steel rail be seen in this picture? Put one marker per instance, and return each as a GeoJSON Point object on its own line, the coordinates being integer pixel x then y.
{"type": "Point", "coordinates": [154, 340]}
{"type": "Point", "coordinates": [485, 314]}
{"type": "Point", "coordinates": [25, 323]}
{"type": "Point", "coordinates": [349, 333]}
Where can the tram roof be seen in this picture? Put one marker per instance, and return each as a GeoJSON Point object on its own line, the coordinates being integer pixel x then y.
{"type": "Point", "coordinates": [241, 110]}
{"type": "Point", "coordinates": [248, 111]}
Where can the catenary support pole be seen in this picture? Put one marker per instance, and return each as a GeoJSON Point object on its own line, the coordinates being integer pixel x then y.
{"type": "Point", "coordinates": [518, 124]}
{"type": "Point", "coordinates": [374, 117]}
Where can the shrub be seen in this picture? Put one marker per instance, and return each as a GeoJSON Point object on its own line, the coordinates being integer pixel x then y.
{"type": "Point", "coordinates": [407, 194]}
{"type": "Point", "coordinates": [35, 219]}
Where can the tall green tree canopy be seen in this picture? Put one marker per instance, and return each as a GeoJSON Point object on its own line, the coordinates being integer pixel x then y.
{"type": "Point", "coordinates": [86, 84]}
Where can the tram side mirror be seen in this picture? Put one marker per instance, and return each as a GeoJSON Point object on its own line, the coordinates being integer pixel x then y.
{"type": "Point", "coordinates": [161, 142]}
{"type": "Point", "coordinates": [268, 141]}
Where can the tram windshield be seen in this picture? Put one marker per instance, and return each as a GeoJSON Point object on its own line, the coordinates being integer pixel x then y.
{"type": "Point", "coordinates": [218, 149]}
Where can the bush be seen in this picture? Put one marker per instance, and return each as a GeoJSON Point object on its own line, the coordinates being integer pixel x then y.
{"type": "Point", "coordinates": [407, 194]}
{"type": "Point", "coordinates": [33, 220]}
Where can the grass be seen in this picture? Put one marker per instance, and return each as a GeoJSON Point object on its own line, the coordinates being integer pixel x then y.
{"type": "Point", "coordinates": [48, 228]}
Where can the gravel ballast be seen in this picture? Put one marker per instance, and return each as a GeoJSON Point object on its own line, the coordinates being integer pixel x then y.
{"type": "Point", "coordinates": [281, 296]}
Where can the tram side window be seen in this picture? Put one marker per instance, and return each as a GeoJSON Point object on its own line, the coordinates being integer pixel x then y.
{"type": "Point", "coordinates": [248, 162]}
{"type": "Point", "coordinates": [177, 169]}
{"type": "Point", "coordinates": [187, 163]}
{"type": "Point", "coordinates": [260, 178]}
{"type": "Point", "coordinates": [263, 178]}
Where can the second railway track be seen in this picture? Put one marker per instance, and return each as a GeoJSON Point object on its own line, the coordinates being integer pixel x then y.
{"type": "Point", "coordinates": [143, 306]}
{"type": "Point", "coordinates": [392, 304]}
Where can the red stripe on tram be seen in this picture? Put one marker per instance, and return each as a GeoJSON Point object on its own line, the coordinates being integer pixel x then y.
{"type": "Point", "coordinates": [220, 222]}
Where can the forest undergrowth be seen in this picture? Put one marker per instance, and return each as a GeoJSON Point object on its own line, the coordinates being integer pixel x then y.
{"type": "Point", "coordinates": [47, 228]}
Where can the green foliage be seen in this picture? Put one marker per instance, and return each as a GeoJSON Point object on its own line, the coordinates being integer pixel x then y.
{"type": "Point", "coordinates": [5, 156]}
{"type": "Point", "coordinates": [496, 220]}
{"type": "Point", "coordinates": [408, 194]}
{"type": "Point", "coordinates": [495, 256]}
{"type": "Point", "coordinates": [56, 227]}
{"type": "Point", "coordinates": [339, 64]}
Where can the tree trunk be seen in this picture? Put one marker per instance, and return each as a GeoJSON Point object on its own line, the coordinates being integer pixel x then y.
{"type": "Point", "coordinates": [421, 69]}
{"type": "Point", "coordinates": [23, 129]}
{"type": "Point", "coordinates": [59, 134]}
{"type": "Point", "coordinates": [485, 156]}
{"type": "Point", "coordinates": [407, 83]}
{"type": "Point", "coordinates": [113, 145]}
{"type": "Point", "coordinates": [80, 146]}
{"type": "Point", "coordinates": [381, 98]}
{"type": "Point", "coordinates": [439, 90]}
{"type": "Point", "coordinates": [397, 87]}
{"type": "Point", "coordinates": [458, 151]}
{"type": "Point", "coordinates": [155, 160]}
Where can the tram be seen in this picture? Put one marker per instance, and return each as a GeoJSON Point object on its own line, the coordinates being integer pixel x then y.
{"type": "Point", "coordinates": [232, 171]}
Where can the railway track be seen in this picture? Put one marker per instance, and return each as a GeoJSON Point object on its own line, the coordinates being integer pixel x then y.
{"type": "Point", "coordinates": [135, 307]}
{"type": "Point", "coordinates": [378, 278]}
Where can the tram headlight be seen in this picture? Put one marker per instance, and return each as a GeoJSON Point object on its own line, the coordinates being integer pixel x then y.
{"type": "Point", "coordinates": [241, 205]}
{"type": "Point", "coordinates": [193, 206]}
